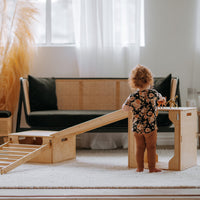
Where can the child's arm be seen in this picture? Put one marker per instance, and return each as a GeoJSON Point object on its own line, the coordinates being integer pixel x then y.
{"type": "Point", "coordinates": [126, 108]}
{"type": "Point", "coordinates": [160, 100]}
{"type": "Point", "coordinates": [127, 105]}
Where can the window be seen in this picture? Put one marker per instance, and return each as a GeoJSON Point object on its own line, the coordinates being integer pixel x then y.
{"type": "Point", "coordinates": [54, 23]}
{"type": "Point", "coordinates": [57, 23]}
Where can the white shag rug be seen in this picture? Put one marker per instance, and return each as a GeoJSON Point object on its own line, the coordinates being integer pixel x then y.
{"type": "Point", "coordinates": [99, 169]}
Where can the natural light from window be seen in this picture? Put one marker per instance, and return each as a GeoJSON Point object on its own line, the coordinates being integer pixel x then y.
{"type": "Point", "coordinates": [55, 22]}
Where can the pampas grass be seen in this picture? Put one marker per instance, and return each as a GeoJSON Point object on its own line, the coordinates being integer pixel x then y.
{"type": "Point", "coordinates": [16, 49]}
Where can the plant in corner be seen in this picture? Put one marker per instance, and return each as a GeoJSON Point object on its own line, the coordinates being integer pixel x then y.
{"type": "Point", "coordinates": [16, 48]}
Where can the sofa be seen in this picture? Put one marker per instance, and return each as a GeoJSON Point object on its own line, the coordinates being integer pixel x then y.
{"type": "Point", "coordinates": [58, 103]}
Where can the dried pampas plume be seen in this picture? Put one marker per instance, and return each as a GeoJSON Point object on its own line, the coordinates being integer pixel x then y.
{"type": "Point", "coordinates": [16, 49]}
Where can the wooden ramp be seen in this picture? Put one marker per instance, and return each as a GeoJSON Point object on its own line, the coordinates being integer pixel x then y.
{"type": "Point", "coordinates": [93, 124]}
{"type": "Point", "coordinates": [13, 155]}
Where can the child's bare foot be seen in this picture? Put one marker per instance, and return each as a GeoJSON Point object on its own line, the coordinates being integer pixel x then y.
{"type": "Point", "coordinates": [139, 170]}
{"type": "Point", "coordinates": [155, 170]}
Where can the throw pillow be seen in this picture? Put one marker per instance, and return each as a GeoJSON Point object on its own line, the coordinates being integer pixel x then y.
{"type": "Point", "coordinates": [163, 85]}
{"type": "Point", "coordinates": [42, 93]}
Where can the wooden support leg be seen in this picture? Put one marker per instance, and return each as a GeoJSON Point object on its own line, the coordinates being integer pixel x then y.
{"type": "Point", "coordinates": [131, 144]}
{"type": "Point", "coordinates": [185, 141]}
{"type": "Point", "coordinates": [64, 148]}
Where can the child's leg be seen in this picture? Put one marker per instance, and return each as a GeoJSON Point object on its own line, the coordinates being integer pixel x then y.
{"type": "Point", "coordinates": [140, 148]}
{"type": "Point", "coordinates": [151, 139]}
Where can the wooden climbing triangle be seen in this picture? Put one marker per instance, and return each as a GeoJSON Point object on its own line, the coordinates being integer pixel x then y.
{"type": "Point", "coordinates": [13, 155]}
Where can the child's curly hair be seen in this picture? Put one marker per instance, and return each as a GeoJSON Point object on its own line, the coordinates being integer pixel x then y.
{"type": "Point", "coordinates": [140, 77]}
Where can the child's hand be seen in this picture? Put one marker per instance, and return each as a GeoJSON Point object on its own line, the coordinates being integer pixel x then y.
{"type": "Point", "coordinates": [162, 101]}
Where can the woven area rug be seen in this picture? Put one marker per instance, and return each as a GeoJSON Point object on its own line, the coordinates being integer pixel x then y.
{"type": "Point", "coordinates": [98, 169]}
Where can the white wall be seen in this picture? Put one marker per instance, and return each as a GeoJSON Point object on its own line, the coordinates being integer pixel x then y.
{"type": "Point", "coordinates": [170, 37]}
{"type": "Point", "coordinates": [170, 42]}
{"type": "Point", "coordinates": [55, 62]}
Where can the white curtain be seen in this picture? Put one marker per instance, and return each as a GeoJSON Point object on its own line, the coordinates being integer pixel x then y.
{"type": "Point", "coordinates": [196, 71]}
{"type": "Point", "coordinates": [195, 80]}
{"type": "Point", "coordinates": [108, 38]}
{"type": "Point", "coordinates": [107, 35]}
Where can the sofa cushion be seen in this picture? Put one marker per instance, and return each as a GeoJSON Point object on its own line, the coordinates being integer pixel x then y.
{"type": "Point", "coordinates": [163, 85]}
{"type": "Point", "coordinates": [60, 119]}
{"type": "Point", "coordinates": [5, 113]}
{"type": "Point", "coordinates": [42, 93]}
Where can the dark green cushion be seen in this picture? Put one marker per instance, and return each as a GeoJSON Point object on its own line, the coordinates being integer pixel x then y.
{"type": "Point", "coordinates": [61, 119]}
{"type": "Point", "coordinates": [42, 93]}
{"type": "Point", "coordinates": [163, 85]}
{"type": "Point", "coordinates": [5, 113]}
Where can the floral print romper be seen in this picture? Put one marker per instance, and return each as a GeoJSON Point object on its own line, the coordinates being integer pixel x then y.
{"type": "Point", "coordinates": [144, 104]}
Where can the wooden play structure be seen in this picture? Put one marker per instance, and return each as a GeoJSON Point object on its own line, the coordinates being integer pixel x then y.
{"type": "Point", "coordinates": [61, 145]}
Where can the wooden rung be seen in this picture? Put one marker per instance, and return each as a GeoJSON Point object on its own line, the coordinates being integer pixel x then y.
{"type": "Point", "coordinates": [7, 160]}
{"type": "Point", "coordinates": [18, 149]}
{"type": "Point", "coordinates": [23, 159]}
{"type": "Point", "coordinates": [10, 156]}
{"type": "Point", "coordinates": [6, 143]}
{"type": "Point", "coordinates": [13, 152]}
{"type": "Point", "coordinates": [4, 164]}
{"type": "Point", "coordinates": [23, 145]}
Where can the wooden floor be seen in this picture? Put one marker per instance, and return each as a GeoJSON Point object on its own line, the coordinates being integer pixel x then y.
{"type": "Point", "coordinates": [83, 194]}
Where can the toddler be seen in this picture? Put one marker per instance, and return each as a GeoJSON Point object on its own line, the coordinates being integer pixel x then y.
{"type": "Point", "coordinates": [143, 103]}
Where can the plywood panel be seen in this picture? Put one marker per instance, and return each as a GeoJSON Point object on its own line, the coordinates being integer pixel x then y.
{"type": "Point", "coordinates": [64, 148]}
{"type": "Point", "coordinates": [188, 139]}
{"type": "Point", "coordinates": [46, 155]}
{"type": "Point", "coordinates": [185, 141]}
{"type": "Point", "coordinates": [132, 163]}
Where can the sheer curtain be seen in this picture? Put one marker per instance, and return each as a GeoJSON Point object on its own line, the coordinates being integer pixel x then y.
{"type": "Point", "coordinates": [107, 36]}
{"type": "Point", "coordinates": [196, 69]}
